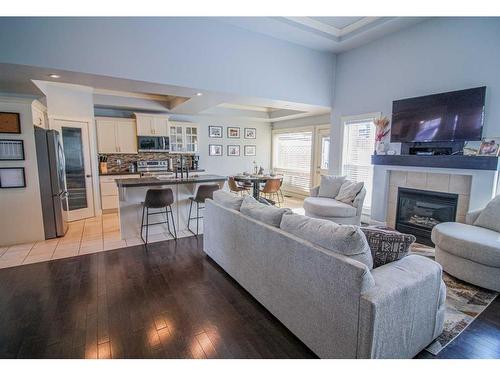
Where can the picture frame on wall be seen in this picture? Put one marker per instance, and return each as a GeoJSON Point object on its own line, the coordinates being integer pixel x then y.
{"type": "Point", "coordinates": [233, 150]}
{"type": "Point", "coordinates": [250, 150]}
{"type": "Point", "coordinates": [233, 132]}
{"type": "Point", "coordinates": [214, 150]}
{"type": "Point", "coordinates": [250, 133]}
{"type": "Point", "coordinates": [11, 149]}
{"type": "Point", "coordinates": [10, 123]}
{"type": "Point", "coordinates": [12, 177]}
{"type": "Point", "coordinates": [215, 131]}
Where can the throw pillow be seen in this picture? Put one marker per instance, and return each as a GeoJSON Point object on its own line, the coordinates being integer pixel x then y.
{"type": "Point", "coordinates": [329, 186]}
{"type": "Point", "coordinates": [267, 214]}
{"type": "Point", "coordinates": [489, 217]}
{"type": "Point", "coordinates": [348, 191]}
{"type": "Point", "coordinates": [386, 245]}
{"type": "Point", "coordinates": [347, 240]}
{"type": "Point", "coordinates": [228, 200]}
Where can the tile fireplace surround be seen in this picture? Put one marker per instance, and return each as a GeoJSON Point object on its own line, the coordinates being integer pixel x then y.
{"type": "Point", "coordinates": [439, 182]}
{"type": "Point", "coordinates": [474, 187]}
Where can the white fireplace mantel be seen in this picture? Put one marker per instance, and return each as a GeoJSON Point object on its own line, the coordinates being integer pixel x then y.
{"type": "Point", "coordinates": [484, 185]}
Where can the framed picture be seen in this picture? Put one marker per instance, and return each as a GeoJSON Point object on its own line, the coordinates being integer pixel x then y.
{"type": "Point", "coordinates": [214, 150]}
{"type": "Point", "coordinates": [12, 177]}
{"type": "Point", "coordinates": [233, 150]}
{"type": "Point", "coordinates": [10, 123]}
{"type": "Point", "coordinates": [250, 133]}
{"type": "Point", "coordinates": [215, 131]}
{"type": "Point", "coordinates": [11, 149]}
{"type": "Point", "coordinates": [489, 147]}
{"type": "Point", "coordinates": [250, 150]}
{"type": "Point", "coordinates": [233, 132]}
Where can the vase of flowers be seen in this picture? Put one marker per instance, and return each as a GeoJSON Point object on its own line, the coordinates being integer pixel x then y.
{"type": "Point", "coordinates": [383, 128]}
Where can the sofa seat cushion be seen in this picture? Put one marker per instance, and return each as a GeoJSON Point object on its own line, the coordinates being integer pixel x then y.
{"type": "Point", "coordinates": [477, 244]}
{"type": "Point", "coordinates": [347, 240]}
{"type": "Point", "coordinates": [267, 214]}
{"type": "Point", "coordinates": [327, 207]}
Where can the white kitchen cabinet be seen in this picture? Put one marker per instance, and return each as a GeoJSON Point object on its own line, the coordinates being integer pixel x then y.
{"type": "Point", "coordinates": [109, 190]}
{"type": "Point", "coordinates": [183, 137]}
{"type": "Point", "coordinates": [151, 125]}
{"type": "Point", "coordinates": [115, 135]}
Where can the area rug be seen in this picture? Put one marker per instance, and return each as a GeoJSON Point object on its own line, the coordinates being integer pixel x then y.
{"type": "Point", "coordinates": [464, 302]}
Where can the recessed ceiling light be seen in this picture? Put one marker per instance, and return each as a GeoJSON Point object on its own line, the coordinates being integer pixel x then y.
{"type": "Point", "coordinates": [54, 76]}
{"type": "Point", "coordinates": [199, 94]}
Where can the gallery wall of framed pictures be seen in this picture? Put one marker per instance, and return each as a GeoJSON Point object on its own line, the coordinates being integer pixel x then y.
{"type": "Point", "coordinates": [232, 133]}
{"type": "Point", "coordinates": [11, 150]}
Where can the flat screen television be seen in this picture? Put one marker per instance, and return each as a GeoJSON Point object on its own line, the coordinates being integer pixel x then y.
{"type": "Point", "coordinates": [452, 116]}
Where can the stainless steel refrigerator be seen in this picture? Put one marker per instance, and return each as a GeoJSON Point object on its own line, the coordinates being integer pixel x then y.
{"type": "Point", "coordinates": [52, 177]}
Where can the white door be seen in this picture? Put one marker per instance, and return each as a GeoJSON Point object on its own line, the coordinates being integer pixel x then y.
{"type": "Point", "coordinates": [322, 153]}
{"type": "Point", "coordinates": [145, 125]}
{"type": "Point", "coordinates": [76, 144]}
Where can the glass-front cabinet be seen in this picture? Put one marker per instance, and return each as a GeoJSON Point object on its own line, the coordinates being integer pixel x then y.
{"type": "Point", "coordinates": [183, 137]}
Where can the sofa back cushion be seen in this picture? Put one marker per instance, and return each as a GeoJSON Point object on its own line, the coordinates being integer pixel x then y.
{"type": "Point", "coordinates": [348, 191]}
{"type": "Point", "coordinates": [267, 214]}
{"type": "Point", "coordinates": [329, 186]}
{"type": "Point", "coordinates": [347, 240]}
{"type": "Point", "coordinates": [228, 200]}
{"type": "Point", "coordinates": [489, 217]}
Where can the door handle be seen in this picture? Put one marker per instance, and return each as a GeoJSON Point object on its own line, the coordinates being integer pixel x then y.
{"type": "Point", "coordinates": [88, 175]}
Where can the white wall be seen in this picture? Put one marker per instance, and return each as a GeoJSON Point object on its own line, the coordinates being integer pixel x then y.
{"type": "Point", "coordinates": [198, 52]}
{"type": "Point", "coordinates": [304, 121]}
{"type": "Point", "coordinates": [438, 55]}
{"type": "Point", "coordinates": [229, 165]}
{"type": "Point", "coordinates": [20, 209]}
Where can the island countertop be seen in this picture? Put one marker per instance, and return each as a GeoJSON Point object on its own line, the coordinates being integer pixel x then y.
{"type": "Point", "coordinates": [154, 181]}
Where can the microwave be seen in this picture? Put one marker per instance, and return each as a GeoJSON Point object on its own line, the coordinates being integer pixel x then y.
{"type": "Point", "coordinates": [153, 144]}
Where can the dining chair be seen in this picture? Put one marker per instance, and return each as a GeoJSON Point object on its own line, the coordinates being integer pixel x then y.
{"type": "Point", "coordinates": [271, 189]}
{"type": "Point", "coordinates": [237, 188]}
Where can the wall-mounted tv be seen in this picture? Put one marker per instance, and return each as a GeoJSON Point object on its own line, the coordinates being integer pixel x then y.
{"type": "Point", "coordinates": [455, 116]}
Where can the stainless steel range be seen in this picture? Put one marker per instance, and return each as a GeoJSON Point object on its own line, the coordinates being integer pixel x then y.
{"type": "Point", "coordinates": [154, 168]}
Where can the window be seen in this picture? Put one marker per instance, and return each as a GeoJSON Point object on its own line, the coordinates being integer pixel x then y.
{"type": "Point", "coordinates": [292, 159]}
{"type": "Point", "coordinates": [359, 143]}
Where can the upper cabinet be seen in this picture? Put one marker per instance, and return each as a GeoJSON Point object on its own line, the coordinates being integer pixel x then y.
{"type": "Point", "coordinates": [116, 136]}
{"type": "Point", "coordinates": [183, 137]}
{"type": "Point", "coordinates": [151, 125]}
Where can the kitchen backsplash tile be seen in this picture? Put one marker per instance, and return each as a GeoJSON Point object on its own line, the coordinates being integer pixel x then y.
{"type": "Point", "coordinates": [127, 159]}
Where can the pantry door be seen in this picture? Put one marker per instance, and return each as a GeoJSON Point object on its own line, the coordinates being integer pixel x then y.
{"type": "Point", "coordinates": [75, 139]}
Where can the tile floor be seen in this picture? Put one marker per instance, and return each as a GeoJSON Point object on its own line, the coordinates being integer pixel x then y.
{"type": "Point", "coordinates": [100, 233]}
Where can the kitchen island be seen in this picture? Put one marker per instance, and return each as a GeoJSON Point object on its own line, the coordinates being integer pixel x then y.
{"type": "Point", "coordinates": [131, 194]}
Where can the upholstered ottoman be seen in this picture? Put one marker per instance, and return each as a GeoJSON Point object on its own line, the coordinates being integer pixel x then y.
{"type": "Point", "coordinates": [468, 252]}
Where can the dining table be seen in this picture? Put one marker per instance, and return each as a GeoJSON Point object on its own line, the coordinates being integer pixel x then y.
{"type": "Point", "coordinates": [256, 180]}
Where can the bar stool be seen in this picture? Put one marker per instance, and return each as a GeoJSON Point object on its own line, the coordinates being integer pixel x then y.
{"type": "Point", "coordinates": [204, 192]}
{"type": "Point", "coordinates": [158, 198]}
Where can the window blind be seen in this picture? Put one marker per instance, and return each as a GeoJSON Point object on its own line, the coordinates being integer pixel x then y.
{"type": "Point", "coordinates": [359, 143]}
{"type": "Point", "coordinates": [292, 159]}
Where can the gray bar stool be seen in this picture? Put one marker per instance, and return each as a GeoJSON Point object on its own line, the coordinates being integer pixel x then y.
{"type": "Point", "coordinates": [158, 198]}
{"type": "Point", "coordinates": [204, 192]}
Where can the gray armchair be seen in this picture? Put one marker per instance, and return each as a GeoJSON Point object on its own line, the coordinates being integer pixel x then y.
{"type": "Point", "coordinates": [469, 252]}
{"type": "Point", "coordinates": [333, 210]}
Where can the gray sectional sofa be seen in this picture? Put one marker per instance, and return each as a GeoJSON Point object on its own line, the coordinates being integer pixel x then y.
{"type": "Point", "coordinates": [336, 305]}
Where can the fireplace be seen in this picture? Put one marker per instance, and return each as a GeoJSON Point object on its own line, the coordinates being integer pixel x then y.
{"type": "Point", "coordinates": [418, 211]}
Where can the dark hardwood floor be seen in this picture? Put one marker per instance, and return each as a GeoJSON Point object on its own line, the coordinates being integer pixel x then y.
{"type": "Point", "coordinates": [170, 301]}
